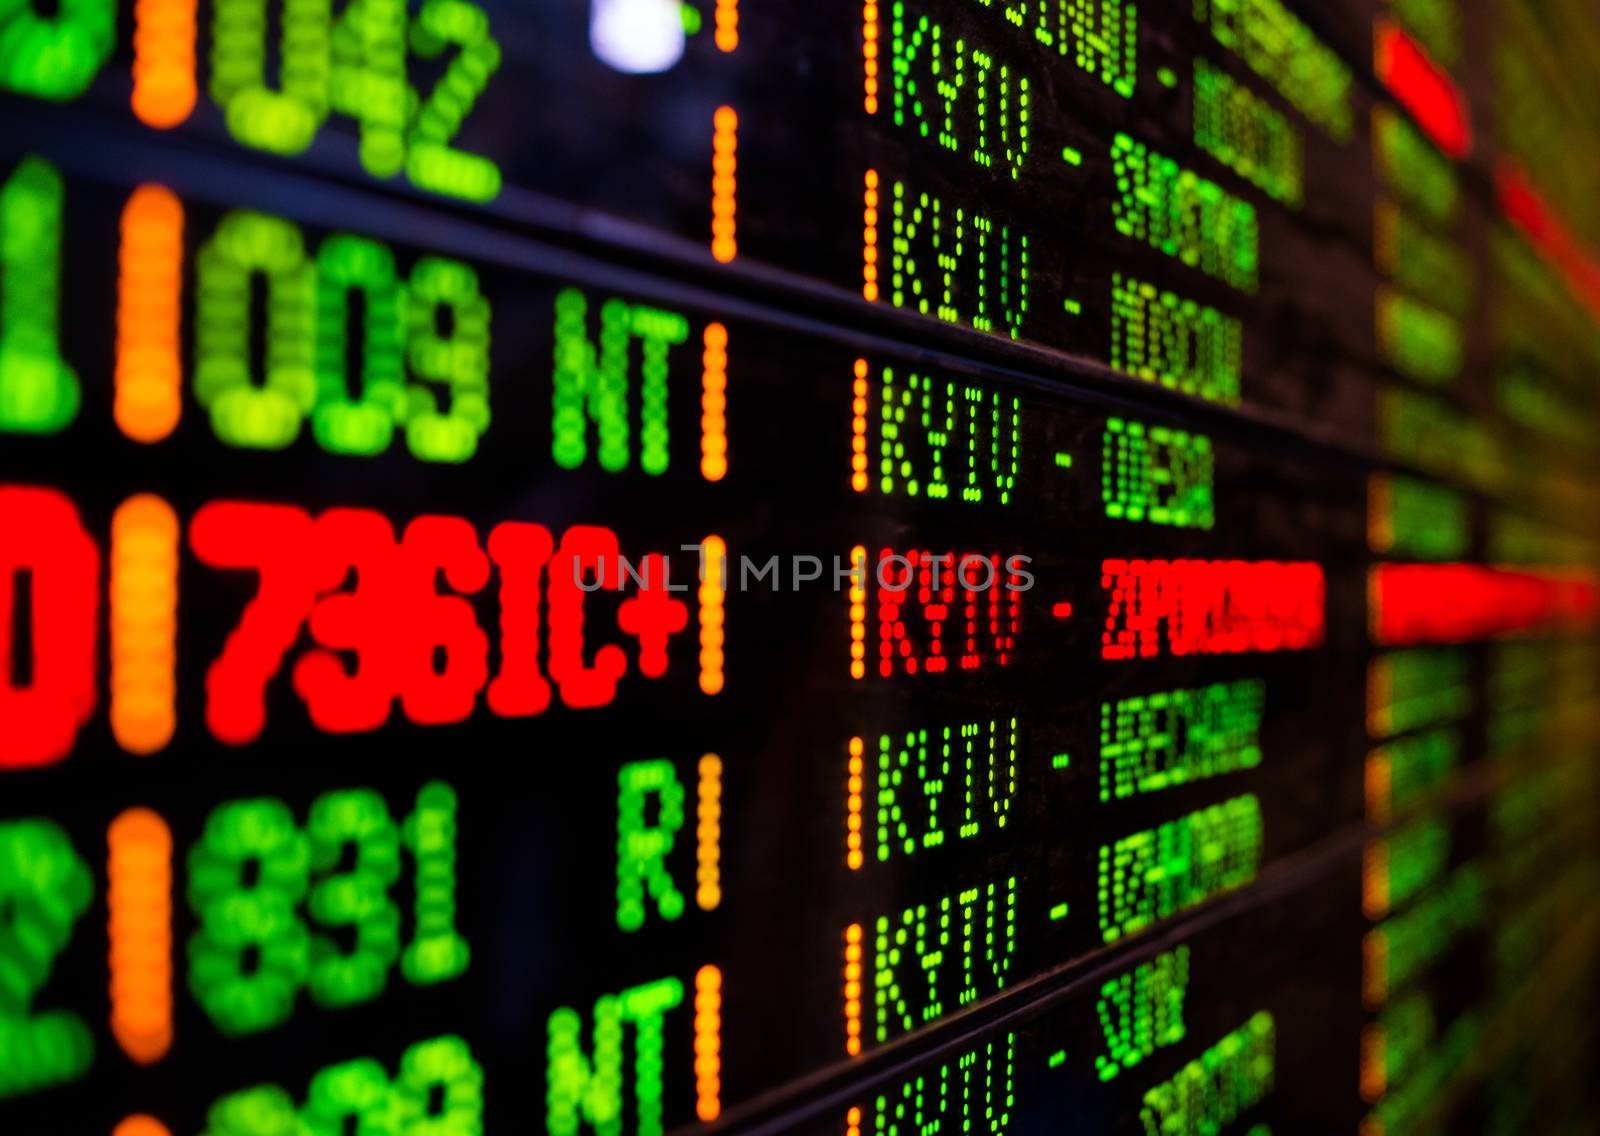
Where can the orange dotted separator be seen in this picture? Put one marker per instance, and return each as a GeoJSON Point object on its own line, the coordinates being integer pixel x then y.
{"type": "Point", "coordinates": [144, 630]}
{"type": "Point", "coordinates": [139, 868]}
{"type": "Point", "coordinates": [708, 835]}
{"type": "Point", "coordinates": [869, 55]}
{"type": "Point", "coordinates": [714, 404]}
{"type": "Point", "coordinates": [853, 783]}
{"type": "Point", "coordinates": [141, 1126]}
{"type": "Point", "coordinates": [149, 377]}
{"type": "Point", "coordinates": [869, 238]}
{"type": "Point", "coordinates": [727, 18]}
{"type": "Point", "coordinates": [724, 184]}
{"type": "Point", "coordinates": [708, 1042]}
{"type": "Point", "coordinates": [163, 62]}
{"type": "Point", "coordinates": [852, 989]}
{"type": "Point", "coordinates": [858, 612]}
{"type": "Point", "coordinates": [858, 430]}
{"type": "Point", "coordinates": [712, 595]}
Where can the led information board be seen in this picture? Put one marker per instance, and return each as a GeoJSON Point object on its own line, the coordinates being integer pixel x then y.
{"type": "Point", "coordinates": [930, 566]}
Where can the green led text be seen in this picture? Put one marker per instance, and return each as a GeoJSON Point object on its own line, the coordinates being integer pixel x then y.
{"type": "Point", "coordinates": [956, 264]}
{"type": "Point", "coordinates": [1142, 1011]}
{"type": "Point", "coordinates": [930, 960]}
{"type": "Point", "coordinates": [591, 384]}
{"type": "Point", "coordinates": [1157, 474]}
{"type": "Point", "coordinates": [1153, 742]}
{"type": "Point", "coordinates": [1245, 133]}
{"type": "Point", "coordinates": [1161, 338]}
{"type": "Point", "coordinates": [951, 781]}
{"type": "Point", "coordinates": [1152, 875]}
{"type": "Point", "coordinates": [1216, 1088]}
{"type": "Point", "coordinates": [945, 440]}
{"type": "Point", "coordinates": [1183, 215]}
{"type": "Point", "coordinates": [587, 1088]}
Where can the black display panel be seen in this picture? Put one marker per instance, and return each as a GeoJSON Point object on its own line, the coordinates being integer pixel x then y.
{"type": "Point", "coordinates": [937, 566]}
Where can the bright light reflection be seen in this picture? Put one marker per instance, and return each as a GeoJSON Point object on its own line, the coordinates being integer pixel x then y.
{"type": "Point", "coordinates": [638, 37]}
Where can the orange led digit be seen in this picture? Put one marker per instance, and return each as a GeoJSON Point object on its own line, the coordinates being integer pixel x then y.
{"type": "Point", "coordinates": [852, 1122]}
{"type": "Point", "coordinates": [149, 375]}
{"type": "Point", "coordinates": [144, 608]}
{"type": "Point", "coordinates": [708, 836]}
{"type": "Point", "coordinates": [713, 590]}
{"type": "Point", "coordinates": [139, 870]}
{"type": "Point", "coordinates": [727, 34]}
{"type": "Point", "coordinates": [869, 238]}
{"type": "Point", "coordinates": [708, 1042]}
{"type": "Point", "coordinates": [163, 61]}
{"type": "Point", "coordinates": [724, 184]}
{"type": "Point", "coordinates": [852, 989]}
{"type": "Point", "coordinates": [852, 837]}
{"type": "Point", "coordinates": [714, 404]}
